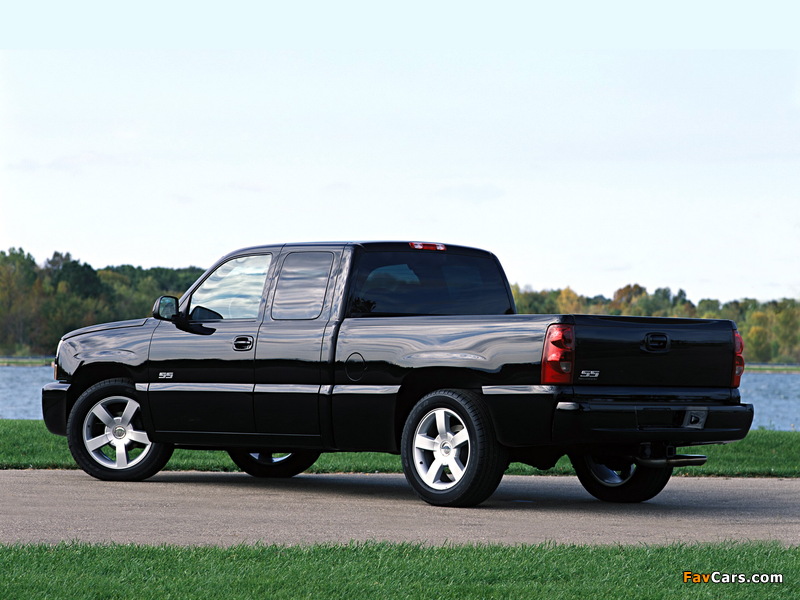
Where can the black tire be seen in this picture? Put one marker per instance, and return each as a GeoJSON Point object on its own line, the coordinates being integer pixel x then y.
{"type": "Point", "coordinates": [449, 451]}
{"type": "Point", "coordinates": [619, 481]}
{"type": "Point", "coordinates": [269, 463]}
{"type": "Point", "coordinates": [106, 434]}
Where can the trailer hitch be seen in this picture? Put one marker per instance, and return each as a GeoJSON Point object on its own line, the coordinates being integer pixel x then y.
{"type": "Point", "coordinates": [649, 458]}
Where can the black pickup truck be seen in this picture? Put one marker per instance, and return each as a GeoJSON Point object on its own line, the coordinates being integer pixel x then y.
{"type": "Point", "coordinates": [278, 353]}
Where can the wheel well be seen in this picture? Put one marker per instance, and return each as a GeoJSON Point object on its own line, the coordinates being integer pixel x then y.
{"type": "Point", "coordinates": [87, 376]}
{"type": "Point", "coordinates": [424, 381]}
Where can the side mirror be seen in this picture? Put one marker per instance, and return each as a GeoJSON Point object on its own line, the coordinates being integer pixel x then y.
{"type": "Point", "coordinates": [166, 308]}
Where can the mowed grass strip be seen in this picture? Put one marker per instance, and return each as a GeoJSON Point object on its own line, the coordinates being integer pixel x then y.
{"type": "Point", "coordinates": [28, 445]}
{"type": "Point", "coordinates": [383, 570]}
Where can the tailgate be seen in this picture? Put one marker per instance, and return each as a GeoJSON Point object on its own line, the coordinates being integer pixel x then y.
{"type": "Point", "coordinates": [650, 351]}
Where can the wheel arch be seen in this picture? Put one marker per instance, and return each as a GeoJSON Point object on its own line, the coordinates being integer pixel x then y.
{"type": "Point", "coordinates": [421, 382]}
{"type": "Point", "coordinates": [88, 375]}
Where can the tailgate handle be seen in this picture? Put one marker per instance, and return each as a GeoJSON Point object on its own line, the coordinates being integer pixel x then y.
{"type": "Point", "coordinates": [656, 342]}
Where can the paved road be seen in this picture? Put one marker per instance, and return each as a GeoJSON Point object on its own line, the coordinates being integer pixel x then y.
{"type": "Point", "coordinates": [231, 508]}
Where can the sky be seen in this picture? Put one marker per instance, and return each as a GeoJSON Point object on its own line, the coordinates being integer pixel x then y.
{"type": "Point", "coordinates": [590, 148]}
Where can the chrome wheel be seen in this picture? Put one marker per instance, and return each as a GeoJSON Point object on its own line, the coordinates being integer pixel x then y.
{"type": "Point", "coordinates": [449, 451]}
{"type": "Point", "coordinates": [441, 449]}
{"type": "Point", "coordinates": [619, 479]}
{"type": "Point", "coordinates": [608, 476]}
{"type": "Point", "coordinates": [106, 434]}
{"type": "Point", "coordinates": [111, 435]}
{"type": "Point", "coordinates": [270, 458]}
{"type": "Point", "coordinates": [267, 462]}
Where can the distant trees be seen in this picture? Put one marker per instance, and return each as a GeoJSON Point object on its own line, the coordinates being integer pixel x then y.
{"type": "Point", "coordinates": [771, 330]}
{"type": "Point", "coordinates": [38, 304]}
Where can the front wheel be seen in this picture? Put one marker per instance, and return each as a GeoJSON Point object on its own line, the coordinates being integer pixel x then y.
{"type": "Point", "coordinates": [269, 463]}
{"type": "Point", "coordinates": [449, 451]}
{"type": "Point", "coordinates": [106, 434]}
{"type": "Point", "coordinates": [619, 480]}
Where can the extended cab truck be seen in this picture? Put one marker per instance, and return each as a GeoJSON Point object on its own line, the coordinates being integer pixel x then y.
{"type": "Point", "coordinates": [278, 353]}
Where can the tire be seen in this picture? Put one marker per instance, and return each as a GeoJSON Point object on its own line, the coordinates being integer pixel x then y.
{"type": "Point", "coordinates": [269, 463]}
{"type": "Point", "coordinates": [449, 451]}
{"type": "Point", "coordinates": [623, 482]}
{"type": "Point", "coordinates": [106, 434]}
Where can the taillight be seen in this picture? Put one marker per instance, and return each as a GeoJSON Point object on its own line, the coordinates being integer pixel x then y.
{"type": "Point", "coordinates": [738, 359]}
{"type": "Point", "coordinates": [558, 355]}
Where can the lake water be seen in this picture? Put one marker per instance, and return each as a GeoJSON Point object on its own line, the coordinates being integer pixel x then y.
{"type": "Point", "coordinates": [776, 396]}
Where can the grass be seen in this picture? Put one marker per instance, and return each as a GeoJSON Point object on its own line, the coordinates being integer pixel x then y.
{"type": "Point", "coordinates": [770, 368]}
{"type": "Point", "coordinates": [25, 361]}
{"type": "Point", "coordinates": [383, 570]}
{"type": "Point", "coordinates": [28, 445]}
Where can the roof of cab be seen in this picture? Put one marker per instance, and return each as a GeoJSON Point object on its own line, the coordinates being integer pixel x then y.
{"type": "Point", "coordinates": [370, 245]}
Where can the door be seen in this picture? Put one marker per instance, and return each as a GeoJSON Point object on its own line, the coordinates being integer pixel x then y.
{"type": "Point", "coordinates": [290, 363]}
{"type": "Point", "coordinates": [201, 370]}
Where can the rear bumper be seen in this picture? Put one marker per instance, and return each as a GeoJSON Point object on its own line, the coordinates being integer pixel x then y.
{"type": "Point", "coordinates": [54, 407]}
{"type": "Point", "coordinates": [586, 422]}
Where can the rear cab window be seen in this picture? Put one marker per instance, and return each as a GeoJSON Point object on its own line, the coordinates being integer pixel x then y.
{"type": "Point", "coordinates": [427, 282]}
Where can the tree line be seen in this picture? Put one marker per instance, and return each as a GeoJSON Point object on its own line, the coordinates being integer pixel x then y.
{"type": "Point", "coordinates": [771, 330]}
{"type": "Point", "coordinates": [38, 304]}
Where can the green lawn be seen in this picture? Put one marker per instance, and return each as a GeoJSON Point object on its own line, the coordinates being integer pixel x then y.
{"type": "Point", "coordinates": [12, 361]}
{"type": "Point", "coordinates": [766, 367]}
{"type": "Point", "coordinates": [386, 571]}
{"type": "Point", "coordinates": [28, 444]}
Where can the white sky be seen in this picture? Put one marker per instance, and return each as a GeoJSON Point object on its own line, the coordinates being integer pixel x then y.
{"type": "Point", "coordinates": [591, 148]}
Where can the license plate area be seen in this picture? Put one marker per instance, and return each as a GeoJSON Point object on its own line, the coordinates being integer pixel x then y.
{"type": "Point", "coordinates": [660, 417]}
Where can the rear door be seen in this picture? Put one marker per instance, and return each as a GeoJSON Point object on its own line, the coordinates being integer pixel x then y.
{"type": "Point", "coordinates": [294, 352]}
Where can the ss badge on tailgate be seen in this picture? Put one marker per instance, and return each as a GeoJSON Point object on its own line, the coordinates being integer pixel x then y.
{"type": "Point", "coordinates": [589, 375]}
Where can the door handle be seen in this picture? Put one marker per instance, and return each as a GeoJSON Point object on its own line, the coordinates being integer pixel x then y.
{"type": "Point", "coordinates": [243, 343]}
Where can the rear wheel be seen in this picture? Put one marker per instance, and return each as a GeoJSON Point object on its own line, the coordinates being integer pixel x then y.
{"type": "Point", "coordinates": [449, 451]}
{"type": "Point", "coordinates": [269, 463]}
{"type": "Point", "coordinates": [619, 480]}
{"type": "Point", "coordinates": [106, 434]}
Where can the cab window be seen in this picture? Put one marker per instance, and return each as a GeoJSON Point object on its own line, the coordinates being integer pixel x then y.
{"type": "Point", "coordinates": [233, 291]}
{"type": "Point", "coordinates": [427, 283]}
{"type": "Point", "coordinates": [300, 294]}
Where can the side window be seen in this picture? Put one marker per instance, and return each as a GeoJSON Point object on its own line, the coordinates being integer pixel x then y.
{"type": "Point", "coordinates": [232, 291]}
{"type": "Point", "coordinates": [427, 283]}
{"type": "Point", "coordinates": [302, 285]}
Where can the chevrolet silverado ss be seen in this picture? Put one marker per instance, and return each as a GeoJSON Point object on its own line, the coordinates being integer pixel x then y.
{"type": "Point", "coordinates": [279, 353]}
